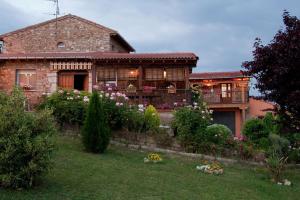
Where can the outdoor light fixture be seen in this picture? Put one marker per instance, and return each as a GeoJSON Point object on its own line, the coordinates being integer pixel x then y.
{"type": "Point", "coordinates": [165, 74]}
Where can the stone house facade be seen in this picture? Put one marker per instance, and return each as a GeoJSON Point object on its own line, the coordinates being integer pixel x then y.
{"type": "Point", "coordinates": [74, 53]}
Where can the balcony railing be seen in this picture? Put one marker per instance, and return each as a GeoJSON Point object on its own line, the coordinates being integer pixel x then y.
{"type": "Point", "coordinates": [229, 97]}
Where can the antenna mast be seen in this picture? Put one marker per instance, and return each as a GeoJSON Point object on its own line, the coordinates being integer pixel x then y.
{"type": "Point", "coordinates": [56, 14]}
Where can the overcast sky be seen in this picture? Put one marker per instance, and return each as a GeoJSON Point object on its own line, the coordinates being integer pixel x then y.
{"type": "Point", "coordinates": [220, 32]}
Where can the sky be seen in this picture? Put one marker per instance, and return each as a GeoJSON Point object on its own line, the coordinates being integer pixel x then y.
{"type": "Point", "coordinates": [220, 32]}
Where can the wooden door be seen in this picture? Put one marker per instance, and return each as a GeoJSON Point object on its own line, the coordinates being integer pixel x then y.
{"type": "Point", "coordinates": [66, 80]}
{"type": "Point", "coordinates": [226, 96]}
{"type": "Point", "coordinates": [86, 83]}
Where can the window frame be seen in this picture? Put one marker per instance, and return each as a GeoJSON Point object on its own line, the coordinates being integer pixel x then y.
{"type": "Point", "coordinates": [22, 71]}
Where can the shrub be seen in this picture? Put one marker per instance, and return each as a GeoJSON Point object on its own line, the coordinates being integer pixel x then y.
{"type": "Point", "coordinates": [69, 106]}
{"type": "Point", "coordinates": [279, 144]}
{"type": "Point", "coordinates": [217, 134]}
{"type": "Point", "coordinates": [254, 129]}
{"type": "Point", "coordinates": [96, 132]}
{"type": "Point", "coordinates": [275, 165]}
{"type": "Point", "coordinates": [134, 120]}
{"type": "Point", "coordinates": [26, 144]}
{"type": "Point", "coordinates": [152, 120]}
{"type": "Point", "coordinates": [190, 123]}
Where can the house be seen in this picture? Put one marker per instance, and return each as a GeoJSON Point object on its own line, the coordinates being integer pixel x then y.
{"type": "Point", "coordinates": [226, 93]}
{"type": "Point", "coordinates": [74, 53]}
{"type": "Point", "coordinates": [258, 107]}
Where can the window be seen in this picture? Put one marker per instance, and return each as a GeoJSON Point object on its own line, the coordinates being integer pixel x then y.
{"type": "Point", "coordinates": [127, 74]}
{"type": "Point", "coordinates": [60, 45]}
{"type": "Point", "coordinates": [1, 46]}
{"type": "Point", "coordinates": [26, 79]}
{"type": "Point", "coordinates": [106, 74]}
{"type": "Point", "coordinates": [152, 74]}
{"type": "Point", "coordinates": [226, 90]}
{"type": "Point", "coordinates": [175, 74]}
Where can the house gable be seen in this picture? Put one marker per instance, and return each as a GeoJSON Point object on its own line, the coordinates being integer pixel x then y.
{"type": "Point", "coordinates": [68, 34]}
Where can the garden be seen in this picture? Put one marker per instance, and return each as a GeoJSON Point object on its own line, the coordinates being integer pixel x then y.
{"type": "Point", "coordinates": [38, 157]}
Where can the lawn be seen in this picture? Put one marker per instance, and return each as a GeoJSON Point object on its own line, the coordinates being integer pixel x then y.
{"type": "Point", "coordinates": [121, 174]}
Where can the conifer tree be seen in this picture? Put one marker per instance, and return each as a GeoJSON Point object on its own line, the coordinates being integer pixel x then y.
{"type": "Point", "coordinates": [96, 132]}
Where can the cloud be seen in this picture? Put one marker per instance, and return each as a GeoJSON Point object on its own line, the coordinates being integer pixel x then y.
{"type": "Point", "coordinates": [220, 32]}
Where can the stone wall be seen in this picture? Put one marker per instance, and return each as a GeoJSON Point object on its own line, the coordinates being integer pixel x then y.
{"type": "Point", "coordinates": [77, 36]}
{"type": "Point", "coordinates": [44, 77]}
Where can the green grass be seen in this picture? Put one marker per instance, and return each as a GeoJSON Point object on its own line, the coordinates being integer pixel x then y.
{"type": "Point", "coordinates": [121, 174]}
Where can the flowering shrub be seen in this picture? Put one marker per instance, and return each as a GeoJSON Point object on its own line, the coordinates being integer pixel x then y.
{"type": "Point", "coordinates": [217, 134]}
{"type": "Point", "coordinates": [115, 105]}
{"type": "Point", "coordinates": [190, 123]}
{"type": "Point", "coordinates": [153, 157]}
{"type": "Point", "coordinates": [69, 106]}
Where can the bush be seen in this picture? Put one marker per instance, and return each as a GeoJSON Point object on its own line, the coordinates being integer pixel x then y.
{"type": "Point", "coordinates": [134, 120]}
{"type": "Point", "coordinates": [189, 124]}
{"type": "Point", "coordinates": [279, 145]}
{"type": "Point", "coordinates": [96, 132]}
{"type": "Point", "coordinates": [254, 129]}
{"type": "Point", "coordinates": [69, 106]}
{"type": "Point", "coordinates": [26, 144]}
{"type": "Point", "coordinates": [217, 134]}
{"type": "Point", "coordinates": [152, 120]}
{"type": "Point", "coordinates": [276, 165]}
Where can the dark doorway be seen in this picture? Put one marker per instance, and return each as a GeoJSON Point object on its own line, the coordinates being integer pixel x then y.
{"type": "Point", "coordinates": [79, 81]}
{"type": "Point", "coordinates": [226, 118]}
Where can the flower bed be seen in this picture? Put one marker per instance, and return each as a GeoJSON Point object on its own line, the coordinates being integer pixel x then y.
{"type": "Point", "coordinates": [211, 168]}
{"type": "Point", "coordinates": [153, 158]}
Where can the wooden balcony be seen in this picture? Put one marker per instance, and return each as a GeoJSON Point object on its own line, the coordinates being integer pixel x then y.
{"type": "Point", "coordinates": [235, 98]}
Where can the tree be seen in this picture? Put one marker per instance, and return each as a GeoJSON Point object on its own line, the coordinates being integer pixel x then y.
{"type": "Point", "coordinates": [276, 67]}
{"type": "Point", "coordinates": [96, 132]}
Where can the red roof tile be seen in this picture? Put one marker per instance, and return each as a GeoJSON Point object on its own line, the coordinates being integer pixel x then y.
{"type": "Point", "coordinates": [216, 75]}
{"type": "Point", "coordinates": [101, 56]}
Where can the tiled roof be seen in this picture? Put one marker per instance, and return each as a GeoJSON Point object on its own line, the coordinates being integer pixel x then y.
{"type": "Point", "coordinates": [100, 56]}
{"type": "Point", "coordinates": [217, 75]}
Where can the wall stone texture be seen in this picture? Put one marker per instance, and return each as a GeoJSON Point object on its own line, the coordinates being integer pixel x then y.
{"type": "Point", "coordinates": [76, 34]}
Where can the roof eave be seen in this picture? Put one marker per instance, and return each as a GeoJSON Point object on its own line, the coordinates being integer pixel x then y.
{"type": "Point", "coordinates": [125, 43]}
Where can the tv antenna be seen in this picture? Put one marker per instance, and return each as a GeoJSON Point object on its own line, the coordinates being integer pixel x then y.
{"type": "Point", "coordinates": [56, 14]}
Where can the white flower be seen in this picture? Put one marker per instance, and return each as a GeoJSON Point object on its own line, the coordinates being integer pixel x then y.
{"type": "Point", "coordinates": [109, 89]}
{"type": "Point", "coordinates": [112, 98]}
{"type": "Point", "coordinates": [113, 94]}
{"type": "Point", "coordinates": [175, 103]}
{"type": "Point", "coordinates": [107, 94]}
{"type": "Point", "coordinates": [202, 111]}
{"type": "Point", "coordinates": [126, 98]}
{"type": "Point", "coordinates": [121, 104]}
{"type": "Point", "coordinates": [107, 85]}
{"type": "Point", "coordinates": [100, 95]}
{"type": "Point", "coordinates": [183, 100]}
{"type": "Point", "coordinates": [211, 111]}
{"type": "Point", "coordinates": [195, 103]}
{"type": "Point", "coordinates": [211, 119]}
{"type": "Point", "coordinates": [141, 110]}
{"type": "Point", "coordinates": [76, 92]}
{"type": "Point", "coordinates": [141, 106]}
{"type": "Point", "coordinates": [85, 99]}
{"type": "Point", "coordinates": [60, 91]}
{"type": "Point", "coordinates": [117, 104]}
{"type": "Point", "coordinates": [203, 117]}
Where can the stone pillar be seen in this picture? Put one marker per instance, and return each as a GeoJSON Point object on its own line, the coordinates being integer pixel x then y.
{"type": "Point", "coordinates": [53, 82]}
{"type": "Point", "coordinates": [90, 81]}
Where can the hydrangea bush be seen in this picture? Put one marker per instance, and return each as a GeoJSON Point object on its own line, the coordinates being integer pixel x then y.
{"type": "Point", "coordinates": [69, 106]}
